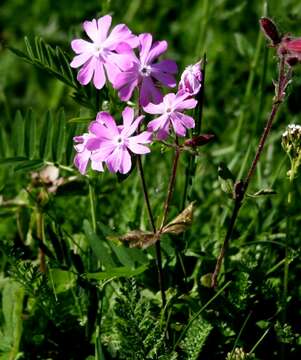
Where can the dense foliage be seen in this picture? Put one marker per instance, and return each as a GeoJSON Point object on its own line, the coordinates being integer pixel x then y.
{"type": "Point", "coordinates": [69, 288]}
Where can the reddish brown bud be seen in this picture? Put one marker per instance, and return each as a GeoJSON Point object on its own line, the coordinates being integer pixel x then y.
{"type": "Point", "coordinates": [292, 61]}
{"type": "Point", "coordinates": [270, 30]}
{"type": "Point", "coordinates": [199, 140]}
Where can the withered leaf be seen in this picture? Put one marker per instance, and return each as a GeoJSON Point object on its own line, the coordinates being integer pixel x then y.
{"type": "Point", "coordinates": [181, 222]}
{"type": "Point", "coordinates": [262, 192]}
{"type": "Point", "coordinates": [139, 239]}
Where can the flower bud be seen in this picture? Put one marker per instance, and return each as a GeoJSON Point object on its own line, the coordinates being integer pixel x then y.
{"type": "Point", "coordinates": [270, 30]}
{"type": "Point", "coordinates": [199, 140]}
{"type": "Point", "coordinates": [191, 79]}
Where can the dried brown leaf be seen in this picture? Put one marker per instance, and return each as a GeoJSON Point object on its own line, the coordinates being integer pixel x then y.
{"type": "Point", "coordinates": [181, 222]}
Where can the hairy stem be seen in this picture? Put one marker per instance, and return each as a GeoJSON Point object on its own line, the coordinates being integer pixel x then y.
{"type": "Point", "coordinates": [242, 187]}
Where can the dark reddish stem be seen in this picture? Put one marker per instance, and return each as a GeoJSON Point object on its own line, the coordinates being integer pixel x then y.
{"type": "Point", "coordinates": [241, 187]}
{"type": "Point", "coordinates": [152, 221]}
{"type": "Point", "coordinates": [171, 185]}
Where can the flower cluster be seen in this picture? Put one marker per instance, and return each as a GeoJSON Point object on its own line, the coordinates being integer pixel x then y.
{"type": "Point", "coordinates": [291, 140]}
{"type": "Point", "coordinates": [291, 143]}
{"type": "Point", "coordinates": [130, 62]}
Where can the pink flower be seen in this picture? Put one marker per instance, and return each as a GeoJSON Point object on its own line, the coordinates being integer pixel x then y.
{"type": "Point", "coordinates": [83, 155]}
{"type": "Point", "coordinates": [114, 144]}
{"type": "Point", "coordinates": [291, 48]}
{"type": "Point", "coordinates": [171, 110]}
{"type": "Point", "coordinates": [144, 72]}
{"type": "Point", "coordinates": [105, 52]}
{"type": "Point", "coordinates": [191, 79]}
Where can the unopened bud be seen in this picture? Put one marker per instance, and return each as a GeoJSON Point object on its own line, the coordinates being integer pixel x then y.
{"type": "Point", "coordinates": [191, 79]}
{"type": "Point", "coordinates": [270, 30]}
{"type": "Point", "coordinates": [199, 140]}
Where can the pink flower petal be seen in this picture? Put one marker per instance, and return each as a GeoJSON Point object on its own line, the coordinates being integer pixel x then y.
{"type": "Point", "coordinates": [158, 48]}
{"type": "Point", "coordinates": [149, 93]}
{"type": "Point", "coordinates": [120, 33]}
{"type": "Point", "coordinates": [186, 104]}
{"type": "Point", "coordinates": [165, 79]}
{"type": "Point", "coordinates": [186, 120]}
{"type": "Point", "coordinates": [81, 161]}
{"type": "Point", "coordinates": [106, 148]}
{"type": "Point", "coordinates": [79, 60]}
{"type": "Point", "coordinates": [128, 116]}
{"type": "Point", "coordinates": [112, 71]}
{"type": "Point", "coordinates": [146, 43]}
{"type": "Point", "coordinates": [96, 165]}
{"type": "Point", "coordinates": [125, 77]}
{"type": "Point", "coordinates": [157, 123]}
{"type": "Point", "coordinates": [85, 74]}
{"type": "Point", "coordinates": [128, 131]}
{"type": "Point", "coordinates": [104, 24]}
{"type": "Point", "coordinates": [91, 29]}
{"type": "Point", "coordinates": [125, 93]}
{"type": "Point", "coordinates": [126, 162]}
{"type": "Point", "coordinates": [123, 61]}
{"type": "Point", "coordinates": [168, 66]}
{"type": "Point", "coordinates": [99, 78]}
{"type": "Point", "coordinates": [154, 109]}
{"type": "Point", "coordinates": [179, 129]}
{"type": "Point", "coordinates": [80, 46]}
{"type": "Point", "coordinates": [137, 148]}
{"type": "Point", "coordinates": [114, 160]}
{"type": "Point", "coordinates": [143, 138]}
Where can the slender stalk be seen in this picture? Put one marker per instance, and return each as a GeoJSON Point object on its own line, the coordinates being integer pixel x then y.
{"type": "Point", "coordinates": [171, 185]}
{"type": "Point", "coordinates": [145, 194]}
{"type": "Point", "coordinates": [92, 206]}
{"type": "Point", "coordinates": [241, 187]}
{"type": "Point", "coordinates": [152, 221]}
{"type": "Point", "coordinates": [40, 236]}
{"type": "Point", "coordinates": [198, 313]}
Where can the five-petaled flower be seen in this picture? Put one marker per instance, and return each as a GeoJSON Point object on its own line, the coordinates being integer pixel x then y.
{"type": "Point", "coordinates": [191, 79]}
{"type": "Point", "coordinates": [171, 110]}
{"type": "Point", "coordinates": [114, 144]}
{"type": "Point", "coordinates": [83, 155]}
{"type": "Point", "coordinates": [105, 53]}
{"type": "Point", "coordinates": [145, 73]}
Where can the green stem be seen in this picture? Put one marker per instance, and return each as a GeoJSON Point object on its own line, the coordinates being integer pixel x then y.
{"type": "Point", "coordinates": [198, 313]}
{"type": "Point", "coordinates": [92, 206]}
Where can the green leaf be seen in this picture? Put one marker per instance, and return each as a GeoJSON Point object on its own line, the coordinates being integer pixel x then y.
{"type": "Point", "coordinates": [30, 134]}
{"type": "Point", "coordinates": [118, 272]}
{"type": "Point", "coordinates": [12, 160]}
{"type": "Point", "coordinates": [29, 165]}
{"type": "Point", "coordinates": [12, 309]}
{"type": "Point", "coordinates": [62, 280]}
{"type": "Point", "coordinates": [18, 134]}
{"type": "Point", "coordinates": [59, 145]}
{"type": "Point", "coordinates": [46, 137]}
{"type": "Point", "coordinates": [99, 246]}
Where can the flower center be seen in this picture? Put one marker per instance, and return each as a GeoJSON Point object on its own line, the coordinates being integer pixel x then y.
{"type": "Point", "coordinates": [120, 141]}
{"type": "Point", "coordinates": [98, 50]}
{"type": "Point", "coordinates": [145, 70]}
{"type": "Point", "coordinates": [168, 110]}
